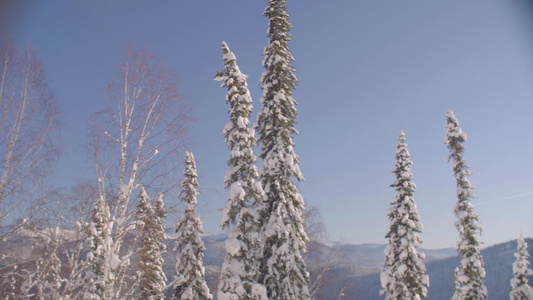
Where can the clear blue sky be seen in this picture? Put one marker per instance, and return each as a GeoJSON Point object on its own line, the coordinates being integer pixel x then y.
{"type": "Point", "coordinates": [366, 69]}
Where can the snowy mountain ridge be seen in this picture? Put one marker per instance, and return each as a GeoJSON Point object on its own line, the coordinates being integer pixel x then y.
{"type": "Point", "coordinates": [367, 255]}
{"type": "Point", "coordinates": [352, 267]}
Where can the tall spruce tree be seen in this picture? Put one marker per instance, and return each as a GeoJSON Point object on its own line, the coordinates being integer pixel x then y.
{"type": "Point", "coordinates": [190, 282]}
{"type": "Point", "coordinates": [470, 272]}
{"type": "Point", "coordinates": [240, 269]}
{"type": "Point", "coordinates": [284, 273]}
{"type": "Point", "coordinates": [403, 276]}
{"type": "Point", "coordinates": [151, 235]}
{"type": "Point", "coordinates": [521, 289]}
{"type": "Point", "coordinates": [99, 240]}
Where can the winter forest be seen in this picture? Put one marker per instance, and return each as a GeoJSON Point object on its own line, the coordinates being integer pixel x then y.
{"type": "Point", "coordinates": [135, 230]}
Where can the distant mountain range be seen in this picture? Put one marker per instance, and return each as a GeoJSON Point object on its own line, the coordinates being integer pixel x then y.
{"type": "Point", "coordinates": [498, 261]}
{"type": "Point", "coordinates": [351, 270]}
{"type": "Point", "coordinates": [369, 256]}
{"type": "Point", "coordinates": [354, 269]}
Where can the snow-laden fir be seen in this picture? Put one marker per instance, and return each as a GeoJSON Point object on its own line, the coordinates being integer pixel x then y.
{"type": "Point", "coordinates": [100, 276]}
{"type": "Point", "coordinates": [152, 279]}
{"type": "Point", "coordinates": [240, 270]}
{"type": "Point", "coordinates": [403, 275]}
{"type": "Point", "coordinates": [283, 270]}
{"type": "Point", "coordinates": [189, 283]}
{"type": "Point", "coordinates": [470, 272]}
{"type": "Point", "coordinates": [521, 289]}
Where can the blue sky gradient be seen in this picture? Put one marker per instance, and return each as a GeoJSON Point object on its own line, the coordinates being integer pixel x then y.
{"type": "Point", "coordinates": [366, 69]}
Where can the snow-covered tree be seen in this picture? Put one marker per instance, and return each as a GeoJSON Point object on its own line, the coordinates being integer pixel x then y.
{"type": "Point", "coordinates": [134, 141]}
{"type": "Point", "coordinates": [56, 267]}
{"type": "Point", "coordinates": [151, 235]}
{"type": "Point", "coordinates": [471, 271]}
{"type": "Point", "coordinates": [284, 273]}
{"type": "Point", "coordinates": [100, 278]}
{"type": "Point", "coordinates": [521, 289]}
{"type": "Point", "coordinates": [240, 269]}
{"type": "Point", "coordinates": [190, 280]}
{"type": "Point", "coordinates": [403, 276]}
{"type": "Point", "coordinates": [39, 275]}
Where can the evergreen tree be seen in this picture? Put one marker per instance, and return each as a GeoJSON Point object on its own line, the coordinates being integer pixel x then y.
{"type": "Point", "coordinates": [190, 282]}
{"type": "Point", "coordinates": [100, 241]}
{"type": "Point", "coordinates": [151, 235]}
{"type": "Point", "coordinates": [404, 274]}
{"type": "Point", "coordinates": [471, 271]}
{"type": "Point", "coordinates": [521, 289]}
{"type": "Point", "coordinates": [284, 273]}
{"type": "Point", "coordinates": [240, 269]}
{"type": "Point", "coordinates": [132, 138]}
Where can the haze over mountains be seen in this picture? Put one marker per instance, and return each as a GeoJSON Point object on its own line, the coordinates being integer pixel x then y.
{"type": "Point", "coordinates": [355, 268]}
{"type": "Point", "coordinates": [347, 268]}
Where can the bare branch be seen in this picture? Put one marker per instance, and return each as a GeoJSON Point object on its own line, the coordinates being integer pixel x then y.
{"type": "Point", "coordinates": [136, 141]}
{"type": "Point", "coordinates": [28, 128]}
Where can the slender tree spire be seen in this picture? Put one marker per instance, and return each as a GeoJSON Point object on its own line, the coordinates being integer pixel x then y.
{"type": "Point", "coordinates": [470, 273]}
{"type": "Point", "coordinates": [521, 289]}
{"type": "Point", "coordinates": [151, 235]}
{"type": "Point", "coordinates": [99, 239]}
{"type": "Point", "coordinates": [283, 269]}
{"type": "Point", "coordinates": [190, 282]}
{"type": "Point", "coordinates": [240, 269]}
{"type": "Point", "coordinates": [403, 276]}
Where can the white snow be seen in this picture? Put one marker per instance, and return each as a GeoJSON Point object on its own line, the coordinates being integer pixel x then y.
{"type": "Point", "coordinates": [233, 246]}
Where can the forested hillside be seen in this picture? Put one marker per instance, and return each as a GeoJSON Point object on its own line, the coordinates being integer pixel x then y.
{"type": "Point", "coordinates": [498, 263]}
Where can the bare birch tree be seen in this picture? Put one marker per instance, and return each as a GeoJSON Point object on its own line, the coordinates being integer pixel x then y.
{"type": "Point", "coordinates": [28, 129]}
{"type": "Point", "coordinates": [28, 148]}
{"type": "Point", "coordinates": [135, 141]}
